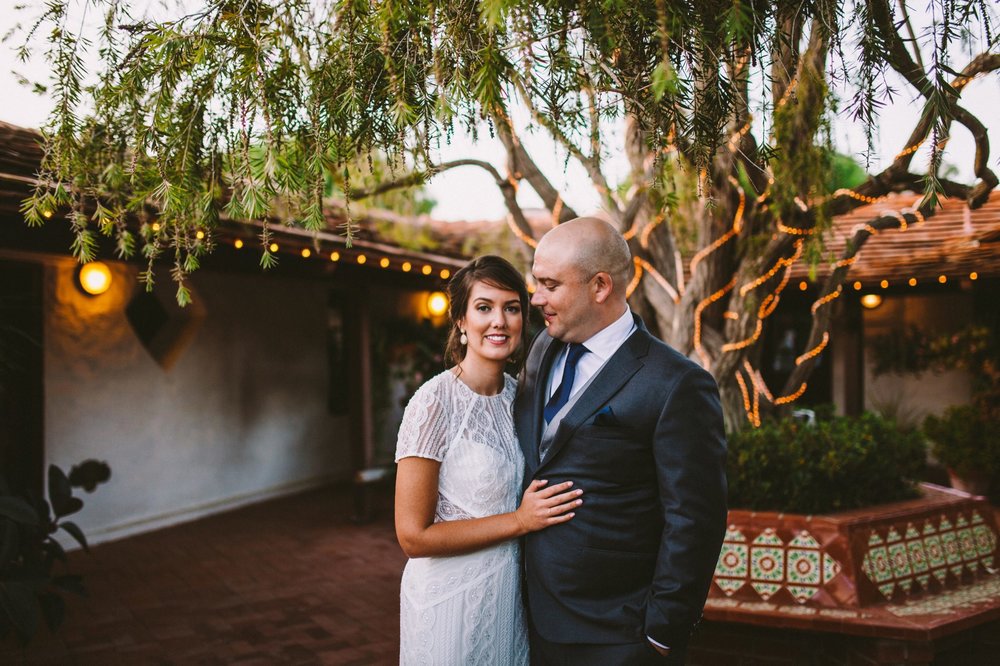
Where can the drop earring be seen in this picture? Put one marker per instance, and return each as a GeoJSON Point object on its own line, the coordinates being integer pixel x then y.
{"type": "Point", "coordinates": [464, 339]}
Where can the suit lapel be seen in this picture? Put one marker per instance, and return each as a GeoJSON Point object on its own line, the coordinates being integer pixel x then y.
{"type": "Point", "coordinates": [548, 354]}
{"type": "Point", "coordinates": [609, 380]}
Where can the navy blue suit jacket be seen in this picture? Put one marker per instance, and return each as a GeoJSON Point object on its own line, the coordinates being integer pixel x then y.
{"type": "Point", "coordinates": [646, 443]}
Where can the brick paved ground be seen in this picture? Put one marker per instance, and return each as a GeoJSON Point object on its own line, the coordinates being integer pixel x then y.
{"type": "Point", "coordinates": [291, 581]}
{"type": "Point", "coordinates": [294, 581]}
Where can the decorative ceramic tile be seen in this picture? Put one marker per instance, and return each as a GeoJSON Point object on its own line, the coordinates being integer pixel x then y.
{"type": "Point", "coordinates": [831, 568]}
{"type": "Point", "coordinates": [876, 562]}
{"type": "Point", "coordinates": [887, 590]}
{"type": "Point", "coordinates": [899, 559]}
{"type": "Point", "coordinates": [986, 543]}
{"type": "Point", "coordinates": [732, 561]}
{"type": "Point", "coordinates": [767, 558]}
{"type": "Point", "coordinates": [803, 567]}
{"type": "Point", "coordinates": [802, 593]}
{"type": "Point", "coordinates": [935, 552]}
{"type": "Point", "coordinates": [987, 590]}
{"type": "Point", "coordinates": [729, 586]}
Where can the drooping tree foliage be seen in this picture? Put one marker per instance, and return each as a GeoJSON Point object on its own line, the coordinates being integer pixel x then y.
{"type": "Point", "coordinates": [232, 107]}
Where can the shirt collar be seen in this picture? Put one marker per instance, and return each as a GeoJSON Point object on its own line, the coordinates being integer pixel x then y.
{"type": "Point", "coordinates": [606, 342]}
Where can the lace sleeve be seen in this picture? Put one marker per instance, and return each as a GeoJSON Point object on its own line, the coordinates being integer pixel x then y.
{"type": "Point", "coordinates": [424, 430]}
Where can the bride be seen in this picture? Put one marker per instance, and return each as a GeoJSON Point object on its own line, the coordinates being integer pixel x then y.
{"type": "Point", "coordinates": [458, 479]}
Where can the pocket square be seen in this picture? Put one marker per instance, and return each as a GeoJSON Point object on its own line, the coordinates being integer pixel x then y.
{"type": "Point", "coordinates": [605, 417]}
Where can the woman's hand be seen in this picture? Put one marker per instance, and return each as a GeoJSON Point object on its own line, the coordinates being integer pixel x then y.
{"type": "Point", "coordinates": [543, 507]}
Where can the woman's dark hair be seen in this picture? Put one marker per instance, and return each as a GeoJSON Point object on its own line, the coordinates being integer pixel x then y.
{"type": "Point", "coordinates": [496, 272]}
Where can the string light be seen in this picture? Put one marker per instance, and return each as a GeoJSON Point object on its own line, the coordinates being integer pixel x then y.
{"type": "Point", "coordinates": [724, 238]}
{"type": "Point", "coordinates": [635, 278]}
{"type": "Point", "coordinates": [155, 226]}
{"type": "Point", "coordinates": [238, 244]}
{"type": "Point", "coordinates": [697, 320]}
{"type": "Point", "coordinates": [857, 286]}
{"type": "Point", "coordinates": [758, 381]}
{"type": "Point", "coordinates": [445, 273]}
{"type": "Point", "coordinates": [362, 258]}
{"type": "Point", "coordinates": [660, 280]}
{"type": "Point", "coordinates": [854, 195]}
{"type": "Point", "coordinates": [644, 238]}
{"type": "Point", "coordinates": [845, 262]}
{"type": "Point", "coordinates": [746, 396]}
{"type": "Point", "coordinates": [781, 263]}
{"type": "Point", "coordinates": [729, 314]}
{"type": "Point", "coordinates": [273, 247]}
{"type": "Point", "coordinates": [525, 238]}
{"type": "Point", "coordinates": [791, 397]}
{"type": "Point", "coordinates": [46, 213]}
{"type": "Point", "coordinates": [872, 231]}
{"type": "Point", "coordinates": [742, 344]}
{"type": "Point", "coordinates": [803, 286]}
{"type": "Point", "coordinates": [909, 150]}
{"type": "Point", "coordinates": [815, 351]}
{"type": "Point", "coordinates": [335, 256]}
{"type": "Point", "coordinates": [942, 279]}
{"type": "Point", "coordinates": [406, 266]}
{"type": "Point", "coordinates": [795, 231]}
{"type": "Point", "coordinates": [884, 284]}
{"type": "Point", "coordinates": [426, 270]}
{"type": "Point", "coordinates": [915, 212]}
{"type": "Point", "coordinates": [973, 275]}
{"type": "Point", "coordinates": [557, 210]}
{"type": "Point", "coordinates": [384, 262]}
{"type": "Point", "coordinates": [826, 299]}
{"type": "Point", "coordinates": [200, 235]}
{"type": "Point", "coordinates": [913, 282]}
{"type": "Point", "coordinates": [768, 306]}
{"type": "Point", "coordinates": [306, 253]}
{"type": "Point", "coordinates": [734, 139]}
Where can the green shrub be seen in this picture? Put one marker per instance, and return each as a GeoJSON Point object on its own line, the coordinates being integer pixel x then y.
{"type": "Point", "coordinates": [836, 464]}
{"type": "Point", "coordinates": [966, 438]}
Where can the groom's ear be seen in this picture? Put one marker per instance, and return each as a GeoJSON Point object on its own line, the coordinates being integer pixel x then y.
{"type": "Point", "coordinates": [603, 286]}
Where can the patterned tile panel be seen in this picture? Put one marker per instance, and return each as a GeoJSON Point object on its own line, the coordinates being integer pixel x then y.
{"type": "Point", "coordinates": [769, 564]}
{"type": "Point", "coordinates": [942, 549]}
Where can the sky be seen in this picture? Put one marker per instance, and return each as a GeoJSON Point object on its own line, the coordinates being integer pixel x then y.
{"type": "Point", "coordinates": [468, 193]}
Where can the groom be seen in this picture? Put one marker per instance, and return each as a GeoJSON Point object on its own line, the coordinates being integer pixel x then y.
{"type": "Point", "coordinates": [638, 427]}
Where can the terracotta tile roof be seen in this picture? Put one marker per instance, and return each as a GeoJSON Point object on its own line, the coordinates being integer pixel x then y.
{"type": "Point", "coordinates": [955, 242]}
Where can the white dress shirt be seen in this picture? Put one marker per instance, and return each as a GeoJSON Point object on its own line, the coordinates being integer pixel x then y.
{"type": "Point", "coordinates": [600, 347]}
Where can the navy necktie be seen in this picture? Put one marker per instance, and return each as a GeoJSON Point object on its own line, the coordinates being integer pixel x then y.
{"type": "Point", "coordinates": [561, 394]}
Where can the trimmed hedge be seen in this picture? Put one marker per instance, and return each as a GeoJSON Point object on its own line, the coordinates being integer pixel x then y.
{"type": "Point", "coordinates": [836, 464]}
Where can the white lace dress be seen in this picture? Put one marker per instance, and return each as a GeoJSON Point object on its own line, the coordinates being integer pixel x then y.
{"type": "Point", "coordinates": [464, 609]}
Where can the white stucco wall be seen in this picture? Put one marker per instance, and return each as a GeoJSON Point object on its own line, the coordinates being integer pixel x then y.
{"type": "Point", "coordinates": [913, 397]}
{"type": "Point", "coordinates": [241, 415]}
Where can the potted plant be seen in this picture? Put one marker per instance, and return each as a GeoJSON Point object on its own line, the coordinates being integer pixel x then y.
{"type": "Point", "coordinates": [31, 582]}
{"type": "Point", "coordinates": [966, 440]}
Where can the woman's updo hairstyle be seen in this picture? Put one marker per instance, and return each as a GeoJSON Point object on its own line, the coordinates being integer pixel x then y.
{"type": "Point", "coordinates": [496, 272]}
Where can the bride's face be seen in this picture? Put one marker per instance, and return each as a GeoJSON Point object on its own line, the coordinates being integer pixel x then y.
{"type": "Point", "coordinates": [493, 322]}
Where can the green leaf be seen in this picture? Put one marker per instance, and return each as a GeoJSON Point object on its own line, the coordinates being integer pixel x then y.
{"type": "Point", "coordinates": [70, 583]}
{"type": "Point", "coordinates": [19, 603]}
{"type": "Point", "coordinates": [75, 532]}
{"type": "Point", "coordinates": [18, 510]}
{"type": "Point", "coordinates": [53, 609]}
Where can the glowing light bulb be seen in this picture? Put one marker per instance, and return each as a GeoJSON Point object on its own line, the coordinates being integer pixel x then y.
{"type": "Point", "coordinates": [95, 278]}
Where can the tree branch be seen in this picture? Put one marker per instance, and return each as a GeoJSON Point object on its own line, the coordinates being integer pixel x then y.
{"type": "Point", "coordinates": [524, 167]}
{"type": "Point", "coordinates": [822, 314]}
{"type": "Point", "coordinates": [590, 163]}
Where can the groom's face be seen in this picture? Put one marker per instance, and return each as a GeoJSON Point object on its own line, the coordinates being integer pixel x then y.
{"type": "Point", "coordinates": [563, 293]}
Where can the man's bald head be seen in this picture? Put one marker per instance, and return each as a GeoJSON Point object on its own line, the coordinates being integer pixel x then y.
{"type": "Point", "coordinates": [593, 246]}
